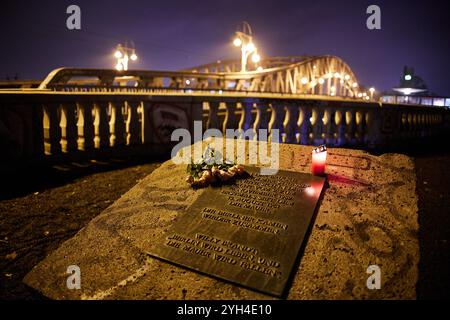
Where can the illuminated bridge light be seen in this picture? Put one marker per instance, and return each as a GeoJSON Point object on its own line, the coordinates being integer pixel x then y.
{"type": "Point", "coordinates": [337, 75]}
{"type": "Point", "coordinates": [256, 58]}
{"type": "Point", "coordinates": [321, 81]}
{"type": "Point", "coordinates": [304, 80]}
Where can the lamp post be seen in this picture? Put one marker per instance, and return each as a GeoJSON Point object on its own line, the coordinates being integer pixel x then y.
{"type": "Point", "coordinates": [244, 40]}
{"type": "Point", "coordinates": [123, 55]}
{"type": "Point", "coordinates": [372, 91]}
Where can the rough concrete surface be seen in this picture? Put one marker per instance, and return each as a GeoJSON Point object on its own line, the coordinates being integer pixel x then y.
{"type": "Point", "coordinates": [367, 216]}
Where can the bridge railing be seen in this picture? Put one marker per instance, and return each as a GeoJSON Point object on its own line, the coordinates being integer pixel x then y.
{"type": "Point", "coordinates": [54, 126]}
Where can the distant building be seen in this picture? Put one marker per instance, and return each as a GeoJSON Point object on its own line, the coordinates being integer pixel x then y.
{"type": "Point", "coordinates": [413, 90]}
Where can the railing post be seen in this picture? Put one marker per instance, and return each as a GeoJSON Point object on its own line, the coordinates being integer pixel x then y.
{"type": "Point", "coordinates": [38, 131]}
{"type": "Point", "coordinates": [86, 131]}
{"type": "Point", "coordinates": [360, 126]}
{"type": "Point", "coordinates": [277, 120]}
{"type": "Point", "coordinates": [52, 129]}
{"type": "Point", "coordinates": [328, 127]}
{"type": "Point", "coordinates": [262, 118]}
{"type": "Point", "coordinates": [374, 123]}
{"type": "Point", "coordinates": [305, 126]}
{"type": "Point", "coordinates": [213, 116]}
{"type": "Point", "coordinates": [350, 126]}
{"type": "Point", "coordinates": [146, 125]}
{"type": "Point", "coordinates": [69, 134]}
{"type": "Point", "coordinates": [291, 123]}
{"type": "Point", "coordinates": [117, 125]}
{"type": "Point", "coordinates": [317, 126]}
{"type": "Point", "coordinates": [132, 125]}
{"type": "Point", "coordinates": [230, 121]}
{"type": "Point", "coordinates": [247, 116]}
{"type": "Point", "coordinates": [101, 125]}
{"type": "Point", "coordinates": [339, 120]}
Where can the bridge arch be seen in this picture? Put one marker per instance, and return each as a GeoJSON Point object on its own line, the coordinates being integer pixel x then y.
{"type": "Point", "coordinates": [316, 75]}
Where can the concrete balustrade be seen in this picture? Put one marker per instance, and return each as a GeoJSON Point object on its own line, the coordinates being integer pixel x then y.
{"type": "Point", "coordinates": [49, 125]}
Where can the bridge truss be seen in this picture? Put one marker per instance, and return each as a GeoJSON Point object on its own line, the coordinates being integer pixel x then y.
{"type": "Point", "coordinates": [318, 75]}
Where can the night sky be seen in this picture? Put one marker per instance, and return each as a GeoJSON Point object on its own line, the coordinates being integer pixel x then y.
{"type": "Point", "coordinates": [173, 34]}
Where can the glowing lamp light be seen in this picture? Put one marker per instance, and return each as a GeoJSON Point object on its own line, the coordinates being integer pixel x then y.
{"type": "Point", "coordinates": [304, 80]}
{"type": "Point", "coordinates": [251, 47]}
{"type": "Point", "coordinates": [188, 82]}
{"type": "Point", "coordinates": [333, 88]}
{"type": "Point", "coordinates": [360, 95]}
{"type": "Point", "coordinates": [408, 77]}
{"type": "Point", "coordinates": [256, 58]}
{"type": "Point", "coordinates": [407, 91]}
{"type": "Point", "coordinates": [237, 42]}
{"type": "Point", "coordinates": [118, 54]}
{"type": "Point", "coordinates": [134, 57]}
{"type": "Point", "coordinates": [319, 159]}
{"type": "Point", "coordinates": [321, 81]}
{"type": "Point", "coordinates": [119, 67]}
{"type": "Point", "coordinates": [372, 90]}
{"type": "Point", "coordinates": [354, 85]}
{"type": "Point", "coordinates": [347, 77]}
{"type": "Point", "coordinates": [337, 75]}
{"type": "Point", "coordinates": [260, 69]}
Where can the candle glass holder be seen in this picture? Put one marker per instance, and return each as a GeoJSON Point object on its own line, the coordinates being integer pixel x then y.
{"type": "Point", "coordinates": [319, 159]}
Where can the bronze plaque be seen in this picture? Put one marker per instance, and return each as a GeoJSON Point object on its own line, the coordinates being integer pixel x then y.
{"type": "Point", "coordinates": [249, 233]}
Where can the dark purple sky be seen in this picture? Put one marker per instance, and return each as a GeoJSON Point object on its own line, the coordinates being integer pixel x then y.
{"type": "Point", "coordinates": [174, 34]}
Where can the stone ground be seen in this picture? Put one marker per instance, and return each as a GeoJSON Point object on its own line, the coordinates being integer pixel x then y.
{"type": "Point", "coordinates": [57, 203]}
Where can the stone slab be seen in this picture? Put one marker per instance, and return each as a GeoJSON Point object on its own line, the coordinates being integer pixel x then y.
{"type": "Point", "coordinates": [249, 233]}
{"type": "Point", "coordinates": [368, 216]}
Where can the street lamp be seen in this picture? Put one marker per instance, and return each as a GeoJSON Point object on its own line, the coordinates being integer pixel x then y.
{"type": "Point", "coordinates": [244, 40]}
{"type": "Point", "coordinates": [123, 55]}
{"type": "Point", "coordinates": [372, 91]}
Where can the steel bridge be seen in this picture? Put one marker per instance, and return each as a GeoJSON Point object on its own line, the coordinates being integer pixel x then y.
{"type": "Point", "coordinates": [321, 75]}
{"type": "Point", "coordinates": [84, 113]}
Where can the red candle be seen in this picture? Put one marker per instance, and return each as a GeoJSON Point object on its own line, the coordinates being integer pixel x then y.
{"type": "Point", "coordinates": [319, 159]}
